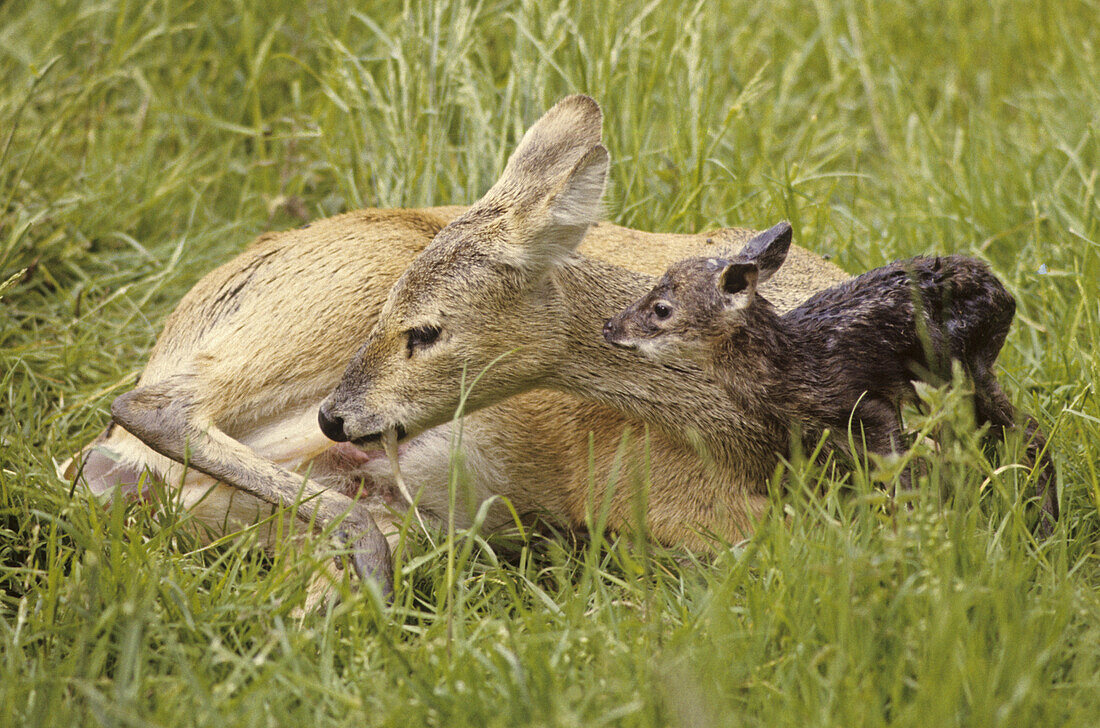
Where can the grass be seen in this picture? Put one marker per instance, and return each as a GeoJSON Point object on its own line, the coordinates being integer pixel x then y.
{"type": "Point", "coordinates": [142, 142]}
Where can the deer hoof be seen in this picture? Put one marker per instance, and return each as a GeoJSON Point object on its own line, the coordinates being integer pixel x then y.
{"type": "Point", "coordinates": [370, 558]}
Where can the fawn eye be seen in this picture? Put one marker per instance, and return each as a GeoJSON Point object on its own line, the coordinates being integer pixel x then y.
{"type": "Point", "coordinates": [662, 310]}
{"type": "Point", "coordinates": [421, 337]}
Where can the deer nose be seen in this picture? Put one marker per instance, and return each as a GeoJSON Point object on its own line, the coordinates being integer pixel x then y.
{"type": "Point", "coordinates": [332, 426]}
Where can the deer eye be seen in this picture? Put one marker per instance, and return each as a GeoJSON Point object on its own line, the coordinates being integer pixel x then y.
{"type": "Point", "coordinates": [421, 337]}
{"type": "Point", "coordinates": [662, 310]}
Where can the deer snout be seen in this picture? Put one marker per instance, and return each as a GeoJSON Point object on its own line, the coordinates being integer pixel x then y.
{"type": "Point", "coordinates": [331, 425]}
{"type": "Point", "coordinates": [341, 425]}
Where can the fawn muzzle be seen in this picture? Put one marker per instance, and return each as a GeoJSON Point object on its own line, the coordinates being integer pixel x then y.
{"type": "Point", "coordinates": [614, 334]}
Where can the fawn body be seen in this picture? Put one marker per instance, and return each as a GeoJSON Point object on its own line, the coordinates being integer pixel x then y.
{"type": "Point", "coordinates": [233, 383]}
{"type": "Point", "coordinates": [844, 358]}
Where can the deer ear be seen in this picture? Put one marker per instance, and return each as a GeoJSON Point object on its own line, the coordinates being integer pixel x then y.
{"type": "Point", "coordinates": [553, 143]}
{"type": "Point", "coordinates": [552, 188]}
{"type": "Point", "coordinates": [551, 228]}
{"type": "Point", "coordinates": [738, 277]}
{"type": "Point", "coordinates": [579, 201]}
{"type": "Point", "coordinates": [768, 249]}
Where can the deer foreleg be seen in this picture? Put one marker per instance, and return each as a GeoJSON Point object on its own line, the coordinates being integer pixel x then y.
{"type": "Point", "coordinates": [166, 418]}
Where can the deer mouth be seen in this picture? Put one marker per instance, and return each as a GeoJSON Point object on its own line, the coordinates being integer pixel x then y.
{"type": "Point", "coordinates": [624, 345]}
{"type": "Point", "coordinates": [375, 438]}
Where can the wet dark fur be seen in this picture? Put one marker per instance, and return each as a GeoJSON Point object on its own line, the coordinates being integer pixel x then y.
{"type": "Point", "coordinates": [848, 355]}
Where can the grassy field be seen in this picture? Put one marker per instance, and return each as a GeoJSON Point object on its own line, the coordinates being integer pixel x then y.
{"type": "Point", "coordinates": [144, 142]}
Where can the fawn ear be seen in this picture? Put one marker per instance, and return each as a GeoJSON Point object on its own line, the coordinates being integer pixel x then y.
{"type": "Point", "coordinates": [738, 277]}
{"type": "Point", "coordinates": [768, 249]}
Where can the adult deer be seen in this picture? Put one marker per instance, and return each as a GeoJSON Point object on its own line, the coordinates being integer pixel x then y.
{"type": "Point", "coordinates": [501, 292]}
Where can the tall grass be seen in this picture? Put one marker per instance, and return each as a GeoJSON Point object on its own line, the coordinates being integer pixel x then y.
{"type": "Point", "coordinates": [143, 142]}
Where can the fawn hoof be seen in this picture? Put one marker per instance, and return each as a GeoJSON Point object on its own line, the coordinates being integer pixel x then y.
{"type": "Point", "coordinates": [370, 557]}
{"type": "Point", "coordinates": [1048, 512]}
{"type": "Point", "coordinates": [1044, 529]}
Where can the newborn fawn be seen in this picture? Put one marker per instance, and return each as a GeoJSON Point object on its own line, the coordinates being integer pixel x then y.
{"type": "Point", "coordinates": [846, 357]}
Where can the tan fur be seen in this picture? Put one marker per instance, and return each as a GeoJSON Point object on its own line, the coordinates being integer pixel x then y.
{"type": "Point", "coordinates": [256, 345]}
{"type": "Point", "coordinates": [500, 295]}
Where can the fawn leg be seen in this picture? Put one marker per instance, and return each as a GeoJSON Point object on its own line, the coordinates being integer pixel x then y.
{"type": "Point", "coordinates": [992, 405]}
{"type": "Point", "coordinates": [881, 425]}
{"type": "Point", "coordinates": [977, 341]}
{"type": "Point", "coordinates": [165, 417]}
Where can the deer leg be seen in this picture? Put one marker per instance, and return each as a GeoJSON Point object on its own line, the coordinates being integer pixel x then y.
{"type": "Point", "coordinates": [977, 344]}
{"type": "Point", "coordinates": [166, 417]}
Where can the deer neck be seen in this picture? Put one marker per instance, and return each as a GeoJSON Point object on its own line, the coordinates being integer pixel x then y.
{"type": "Point", "coordinates": [762, 364]}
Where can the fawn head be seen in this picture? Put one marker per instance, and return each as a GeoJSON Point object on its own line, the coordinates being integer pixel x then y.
{"type": "Point", "coordinates": [697, 301]}
{"type": "Point", "coordinates": [471, 304]}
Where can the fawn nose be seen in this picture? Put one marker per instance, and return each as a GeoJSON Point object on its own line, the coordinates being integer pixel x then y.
{"type": "Point", "coordinates": [331, 425]}
{"type": "Point", "coordinates": [608, 330]}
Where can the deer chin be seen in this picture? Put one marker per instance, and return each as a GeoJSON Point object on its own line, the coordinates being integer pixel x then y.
{"type": "Point", "coordinates": [389, 443]}
{"type": "Point", "coordinates": [651, 348]}
{"type": "Point", "coordinates": [624, 344]}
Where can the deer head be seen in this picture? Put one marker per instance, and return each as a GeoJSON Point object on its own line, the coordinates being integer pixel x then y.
{"type": "Point", "coordinates": [473, 303]}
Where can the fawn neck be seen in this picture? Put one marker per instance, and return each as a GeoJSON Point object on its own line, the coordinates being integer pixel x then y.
{"type": "Point", "coordinates": [769, 365]}
{"type": "Point", "coordinates": [682, 399]}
